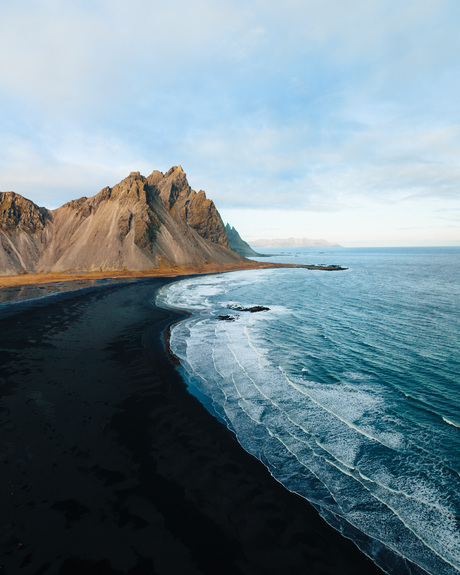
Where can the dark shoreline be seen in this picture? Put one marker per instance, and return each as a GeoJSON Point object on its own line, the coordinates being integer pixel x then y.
{"type": "Point", "coordinates": [109, 466]}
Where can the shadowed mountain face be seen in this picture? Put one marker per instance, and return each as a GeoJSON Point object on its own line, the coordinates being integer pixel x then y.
{"type": "Point", "coordinates": [236, 242]}
{"type": "Point", "coordinates": [141, 223]}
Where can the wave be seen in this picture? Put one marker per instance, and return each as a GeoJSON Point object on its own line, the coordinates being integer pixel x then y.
{"type": "Point", "coordinates": [252, 394]}
{"type": "Point", "coordinates": [451, 422]}
{"type": "Point", "coordinates": [327, 428]}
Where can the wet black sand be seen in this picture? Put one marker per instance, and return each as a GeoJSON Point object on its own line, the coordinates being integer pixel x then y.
{"type": "Point", "coordinates": [109, 466]}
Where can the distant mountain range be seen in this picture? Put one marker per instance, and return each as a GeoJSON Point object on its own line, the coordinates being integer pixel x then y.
{"type": "Point", "coordinates": [293, 243]}
{"type": "Point", "coordinates": [139, 224]}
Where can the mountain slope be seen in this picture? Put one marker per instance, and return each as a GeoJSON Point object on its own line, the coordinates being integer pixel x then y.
{"type": "Point", "coordinates": [237, 244]}
{"type": "Point", "coordinates": [22, 230]}
{"type": "Point", "coordinates": [141, 223]}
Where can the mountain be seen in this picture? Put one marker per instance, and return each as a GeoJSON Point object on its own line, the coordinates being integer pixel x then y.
{"type": "Point", "coordinates": [141, 223]}
{"type": "Point", "coordinates": [237, 244]}
{"type": "Point", "coordinates": [293, 243]}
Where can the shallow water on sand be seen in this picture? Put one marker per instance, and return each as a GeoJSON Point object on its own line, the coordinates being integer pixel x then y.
{"type": "Point", "coordinates": [16, 294]}
{"type": "Point", "coordinates": [347, 388]}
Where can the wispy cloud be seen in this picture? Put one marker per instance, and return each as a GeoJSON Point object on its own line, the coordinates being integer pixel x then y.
{"type": "Point", "coordinates": [317, 106]}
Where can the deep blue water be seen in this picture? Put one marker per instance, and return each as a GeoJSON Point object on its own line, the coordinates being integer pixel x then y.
{"type": "Point", "coordinates": [347, 388]}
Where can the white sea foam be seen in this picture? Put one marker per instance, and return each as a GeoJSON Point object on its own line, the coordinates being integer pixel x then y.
{"type": "Point", "coordinates": [336, 442]}
{"type": "Point", "coordinates": [451, 422]}
{"type": "Point", "coordinates": [255, 393]}
{"type": "Point", "coordinates": [357, 376]}
{"type": "Point", "coordinates": [188, 294]}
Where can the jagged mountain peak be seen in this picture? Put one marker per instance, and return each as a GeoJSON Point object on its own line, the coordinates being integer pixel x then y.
{"type": "Point", "coordinates": [175, 170]}
{"type": "Point", "coordinates": [137, 224]}
{"type": "Point", "coordinates": [134, 187]}
{"type": "Point", "coordinates": [173, 185]}
{"type": "Point", "coordinates": [237, 244]}
{"type": "Point", "coordinates": [155, 178]}
{"type": "Point", "coordinates": [17, 212]}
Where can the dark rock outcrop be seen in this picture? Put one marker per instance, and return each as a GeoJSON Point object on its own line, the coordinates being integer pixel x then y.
{"type": "Point", "coordinates": [253, 309]}
{"type": "Point", "coordinates": [17, 212]}
{"type": "Point", "coordinates": [191, 207]}
{"type": "Point", "coordinates": [237, 244]}
{"type": "Point", "coordinates": [141, 223]}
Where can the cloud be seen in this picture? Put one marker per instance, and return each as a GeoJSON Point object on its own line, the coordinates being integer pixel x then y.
{"type": "Point", "coordinates": [304, 105]}
{"type": "Point", "coordinates": [256, 166]}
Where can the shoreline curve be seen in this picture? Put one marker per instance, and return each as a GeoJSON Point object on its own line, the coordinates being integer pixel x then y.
{"type": "Point", "coordinates": [104, 445]}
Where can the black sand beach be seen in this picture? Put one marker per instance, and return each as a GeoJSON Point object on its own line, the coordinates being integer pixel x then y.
{"type": "Point", "coordinates": [109, 466]}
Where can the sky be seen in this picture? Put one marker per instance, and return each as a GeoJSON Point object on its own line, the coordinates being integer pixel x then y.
{"type": "Point", "coordinates": [334, 119]}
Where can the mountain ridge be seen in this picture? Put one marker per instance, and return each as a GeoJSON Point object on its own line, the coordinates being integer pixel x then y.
{"type": "Point", "coordinates": [140, 223]}
{"type": "Point", "coordinates": [236, 242]}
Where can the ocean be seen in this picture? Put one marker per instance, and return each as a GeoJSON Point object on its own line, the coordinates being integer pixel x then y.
{"type": "Point", "coordinates": [347, 388]}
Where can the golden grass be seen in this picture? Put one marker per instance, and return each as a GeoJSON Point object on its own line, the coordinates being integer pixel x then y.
{"type": "Point", "coordinates": [162, 271]}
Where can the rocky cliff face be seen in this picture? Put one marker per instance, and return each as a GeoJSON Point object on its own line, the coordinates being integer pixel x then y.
{"type": "Point", "coordinates": [141, 223]}
{"type": "Point", "coordinates": [22, 230]}
{"type": "Point", "coordinates": [189, 206]}
{"type": "Point", "coordinates": [17, 212]}
{"type": "Point", "coordinates": [237, 244]}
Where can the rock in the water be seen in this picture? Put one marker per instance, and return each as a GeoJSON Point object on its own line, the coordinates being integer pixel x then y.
{"type": "Point", "coordinates": [252, 309]}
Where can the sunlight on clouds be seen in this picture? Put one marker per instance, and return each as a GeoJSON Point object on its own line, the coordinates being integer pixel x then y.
{"type": "Point", "coordinates": [377, 224]}
{"type": "Point", "coordinates": [329, 107]}
{"type": "Point", "coordinates": [387, 164]}
{"type": "Point", "coordinates": [76, 168]}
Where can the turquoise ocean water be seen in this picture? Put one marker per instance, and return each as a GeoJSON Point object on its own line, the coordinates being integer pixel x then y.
{"type": "Point", "coordinates": [347, 388]}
